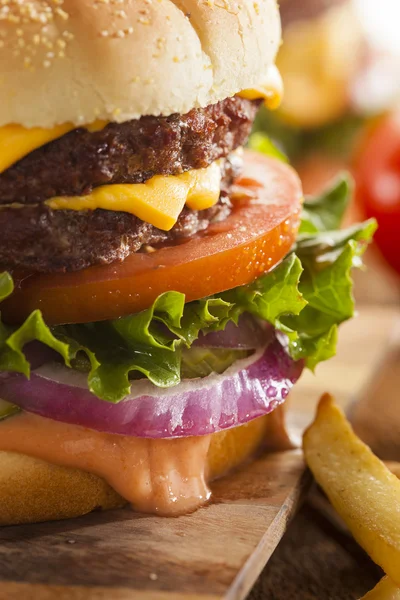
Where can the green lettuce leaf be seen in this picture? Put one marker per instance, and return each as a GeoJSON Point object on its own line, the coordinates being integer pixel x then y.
{"type": "Point", "coordinates": [13, 340]}
{"type": "Point", "coordinates": [310, 293]}
{"type": "Point", "coordinates": [326, 286]}
{"type": "Point", "coordinates": [262, 143]}
{"type": "Point", "coordinates": [273, 295]}
{"type": "Point", "coordinates": [200, 362]}
{"type": "Point", "coordinates": [305, 297]}
{"type": "Point", "coordinates": [335, 139]}
{"type": "Point", "coordinates": [148, 343]}
{"type": "Point", "coordinates": [325, 212]}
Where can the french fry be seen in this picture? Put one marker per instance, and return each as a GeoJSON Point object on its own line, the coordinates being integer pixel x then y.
{"type": "Point", "coordinates": [394, 467]}
{"type": "Point", "coordinates": [360, 487]}
{"type": "Point", "coordinates": [385, 590]}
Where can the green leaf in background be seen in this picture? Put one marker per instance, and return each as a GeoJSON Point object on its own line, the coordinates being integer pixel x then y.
{"type": "Point", "coordinates": [325, 212]}
{"type": "Point", "coordinates": [262, 143]}
{"type": "Point", "coordinates": [335, 139]}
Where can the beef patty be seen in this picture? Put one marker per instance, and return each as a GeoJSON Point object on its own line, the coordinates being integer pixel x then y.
{"type": "Point", "coordinates": [40, 239]}
{"type": "Point", "coordinates": [37, 238]}
{"type": "Point", "coordinates": [130, 152]}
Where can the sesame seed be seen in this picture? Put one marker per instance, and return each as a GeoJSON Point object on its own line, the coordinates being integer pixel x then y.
{"type": "Point", "coordinates": [61, 13]}
{"type": "Point", "coordinates": [38, 14]}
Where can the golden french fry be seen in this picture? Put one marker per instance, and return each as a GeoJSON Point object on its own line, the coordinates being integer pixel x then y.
{"type": "Point", "coordinates": [394, 467]}
{"type": "Point", "coordinates": [360, 487]}
{"type": "Point", "coordinates": [385, 590]}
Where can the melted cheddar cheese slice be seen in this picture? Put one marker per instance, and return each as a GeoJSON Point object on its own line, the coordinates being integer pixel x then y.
{"type": "Point", "coordinates": [159, 201]}
{"type": "Point", "coordinates": [17, 141]}
{"type": "Point", "coordinates": [271, 90]}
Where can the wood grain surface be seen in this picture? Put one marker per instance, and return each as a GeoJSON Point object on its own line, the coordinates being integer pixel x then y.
{"type": "Point", "coordinates": [215, 553]}
{"type": "Point", "coordinates": [316, 561]}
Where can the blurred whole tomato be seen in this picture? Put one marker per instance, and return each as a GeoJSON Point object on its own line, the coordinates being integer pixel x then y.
{"type": "Point", "coordinates": [377, 174]}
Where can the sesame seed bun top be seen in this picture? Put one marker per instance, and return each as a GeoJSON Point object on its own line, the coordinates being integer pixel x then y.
{"type": "Point", "coordinates": [81, 60]}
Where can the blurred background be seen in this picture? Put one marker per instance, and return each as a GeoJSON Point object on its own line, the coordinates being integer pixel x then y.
{"type": "Point", "coordinates": [340, 62]}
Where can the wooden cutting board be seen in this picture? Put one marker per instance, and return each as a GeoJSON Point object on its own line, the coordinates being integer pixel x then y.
{"type": "Point", "coordinates": [214, 554]}
{"type": "Point", "coordinates": [217, 552]}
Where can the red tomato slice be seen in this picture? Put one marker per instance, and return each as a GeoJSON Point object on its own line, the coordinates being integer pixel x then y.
{"type": "Point", "coordinates": [377, 173]}
{"type": "Point", "coordinates": [255, 237]}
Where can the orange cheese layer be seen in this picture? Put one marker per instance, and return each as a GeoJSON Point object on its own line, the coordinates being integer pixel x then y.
{"type": "Point", "coordinates": [159, 201]}
{"type": "Point", "coordinates": [271, 90]}
{"type": "Point", "coordinates": [167, 477]}
{"type": "Point", "coordinates": [17, 141]}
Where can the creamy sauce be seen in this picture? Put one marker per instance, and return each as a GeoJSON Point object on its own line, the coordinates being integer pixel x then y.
{"type": "Point", "coordinates": [167, 477]}
{"type": "Point", "coordinates": [156, 476]}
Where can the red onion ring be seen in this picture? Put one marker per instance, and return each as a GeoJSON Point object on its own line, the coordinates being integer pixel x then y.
{"type": "Point", "coordinates": [248, 334]}
{"type": "Point", "coordinates": [37, 354]}
{"type": "Point", "coordinates": [251, 388]}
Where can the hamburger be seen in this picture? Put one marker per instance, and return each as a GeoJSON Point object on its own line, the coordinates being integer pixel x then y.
{"type": "Point", "coordinates": [161, 288]}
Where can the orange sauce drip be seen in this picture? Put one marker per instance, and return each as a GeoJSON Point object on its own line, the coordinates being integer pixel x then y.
{"type": "Point", "coordinates": [156, 476]}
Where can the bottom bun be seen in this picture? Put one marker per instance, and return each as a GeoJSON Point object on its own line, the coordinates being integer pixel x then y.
{"type": "Point", "coordinates": [32, 490]}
